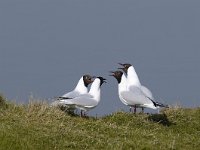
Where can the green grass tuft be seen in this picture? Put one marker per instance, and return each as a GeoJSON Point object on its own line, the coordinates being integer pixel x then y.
{"type": "Point", "coordinates": [38, 126]}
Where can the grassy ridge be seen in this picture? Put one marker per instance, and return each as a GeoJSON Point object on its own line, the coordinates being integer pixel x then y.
{"type": "Point", "coordinates": [38, 126]}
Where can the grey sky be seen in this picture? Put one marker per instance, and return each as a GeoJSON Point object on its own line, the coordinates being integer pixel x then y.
{"type": "Point", "coordinates": [46, 46]}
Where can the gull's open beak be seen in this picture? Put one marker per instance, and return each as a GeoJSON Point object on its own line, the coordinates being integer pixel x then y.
{"type": "Point", "coordinates": [104, 80]}
{"type": "Point", "coordinates": [121, 64]}
{"type": "Point", "coordinates": [123, 69]}
{"type": "Point", "coordinates": [120, 68]}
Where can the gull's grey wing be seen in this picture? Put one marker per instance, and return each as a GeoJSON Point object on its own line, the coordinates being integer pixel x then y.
{"type": "Point", "coordinates": [135, 96]}
{"type": "Point", "coordinates": [82, 100]}
{"type": "Point", "coordinates": [147, 92]}
{"type": "Point", "coordinates": [71, 94]}
{"type": "Point", "coordinates": [134, 99]}
{"type": "Point", "coordinates": [62, 99]}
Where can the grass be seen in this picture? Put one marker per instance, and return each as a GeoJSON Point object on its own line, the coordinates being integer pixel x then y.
{"type": "Point", "coordinates": [38, 126]}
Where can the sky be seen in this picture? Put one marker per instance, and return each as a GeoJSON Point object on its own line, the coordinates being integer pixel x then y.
{"type": "Point", "coordinates": [47, 45]}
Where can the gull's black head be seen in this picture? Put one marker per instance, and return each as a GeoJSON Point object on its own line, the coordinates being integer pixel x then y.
{"type": "Point", "coordinates": [125, 67]}
{"type": "Point", "coordinates": [103, 80]}
{"type": "Point", "coordinates": [87, 79]}
{"type": "Point", "coordinates": [117, 75]}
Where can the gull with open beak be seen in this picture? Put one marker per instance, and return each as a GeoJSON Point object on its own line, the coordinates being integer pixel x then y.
{"type": "Point", "coordinates": [81, 88]}
{"type": "Point", "coordinates": [86, 102]}
{"type": "Point", "coordinates": [136, 94]}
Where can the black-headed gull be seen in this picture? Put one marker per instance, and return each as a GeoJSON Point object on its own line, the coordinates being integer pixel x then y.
{"type": "Point", "coordinates": [81, 88]}
{"type": "Point", "coordinates": [88, 101]}
{"type": "Point", "coordinates": [136, 93]}
{"type": "Point", "coordinates": [144, 89]}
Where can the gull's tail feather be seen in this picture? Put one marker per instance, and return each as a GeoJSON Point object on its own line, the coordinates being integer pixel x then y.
{"type": "Point", "coordinates": [157, 104]}
{"type": "Point", "coordinates": [61, 98]}
{"type": "Point", "coordinates": [161, 105]}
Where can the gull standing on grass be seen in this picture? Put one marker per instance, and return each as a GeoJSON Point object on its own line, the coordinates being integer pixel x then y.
{"type": "Point", "coordinates": [81, 88]}
{"type": "Point", "coordinates": [122, 87]}
{"type": "Point", "coordinates": [88, 101]}
{"type": "Point", "coordinates": [144, 89]}
{"type": "Point", "coordinates": [137, 94]}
